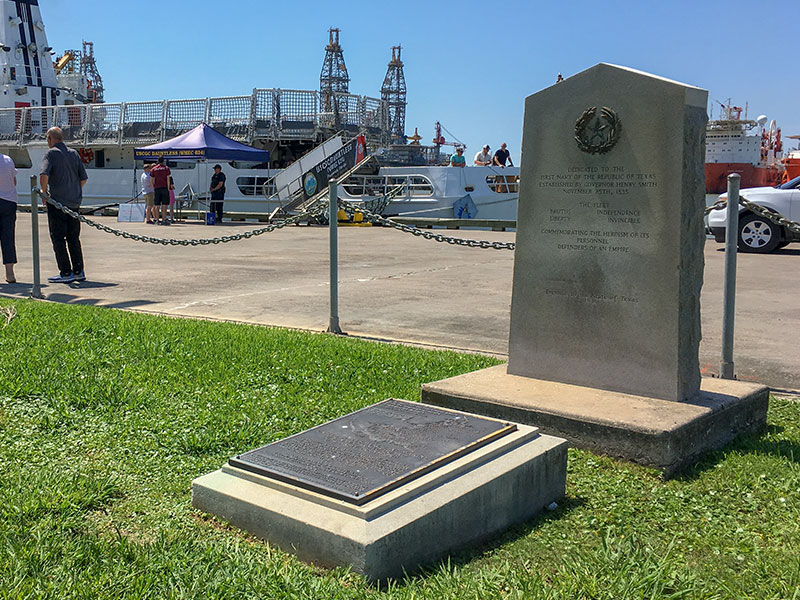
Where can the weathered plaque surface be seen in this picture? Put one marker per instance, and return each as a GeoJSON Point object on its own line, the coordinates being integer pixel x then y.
{"type": "Point", "coordinates": [609, 256]}
{"type": "Point", "coordinates": [372, 451]}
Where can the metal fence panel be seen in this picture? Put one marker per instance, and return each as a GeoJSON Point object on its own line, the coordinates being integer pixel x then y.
{"type": "Point", "coordinates": [264, 114]}
{"type": "Point", "coordinates": [231, 116]}
{"type": "Point", "coordinates": [10, 123]}
{"type": "Point", "coordinates": [102, 123]}
{"type": "Point", "coordinates": [72, 120]}
{"type": "Point", "coordinates": [141, 122]}
{"type": "Point", "coordinates": [183, 115]}
{"type": "Point", "coordinates": [36, 122]}
{"type": "Point", "coordinates": [296, 114]}
{"type": "Point", "coordinates": [349, 111]}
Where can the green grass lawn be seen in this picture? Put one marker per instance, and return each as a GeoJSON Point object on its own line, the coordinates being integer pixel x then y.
{"type": "Point", "coordinates": [107, 416]}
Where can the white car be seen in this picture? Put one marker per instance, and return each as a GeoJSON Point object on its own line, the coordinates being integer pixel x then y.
{"type": "Point", "coordinates": [759, 234]}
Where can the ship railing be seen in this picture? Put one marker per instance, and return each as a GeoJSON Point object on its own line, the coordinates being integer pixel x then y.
{"type": "Point", "coordinates": [273, 114]}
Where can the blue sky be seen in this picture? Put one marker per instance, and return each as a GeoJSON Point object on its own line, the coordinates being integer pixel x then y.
{"type": "Point", "coordinates": [468, 64]}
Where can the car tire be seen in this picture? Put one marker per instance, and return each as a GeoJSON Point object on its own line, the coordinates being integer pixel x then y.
{"type": "Point", "coordinates": [758, 234]}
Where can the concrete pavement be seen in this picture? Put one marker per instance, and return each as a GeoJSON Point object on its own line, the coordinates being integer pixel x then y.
{"type": "Point", "coordinates": [392, 286]}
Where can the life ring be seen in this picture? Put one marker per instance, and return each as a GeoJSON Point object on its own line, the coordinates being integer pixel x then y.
{"type": "Point", "coordinates": [86, 154]}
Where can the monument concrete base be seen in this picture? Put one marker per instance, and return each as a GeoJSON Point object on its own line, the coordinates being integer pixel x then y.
{"type": "Point", "coordinates": [478, 495]}
{"type": "Point", "coordinates": [663, 434]}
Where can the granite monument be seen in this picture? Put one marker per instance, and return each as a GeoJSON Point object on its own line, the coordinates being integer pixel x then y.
{"type": "Point", "coordinates": [605, 313]}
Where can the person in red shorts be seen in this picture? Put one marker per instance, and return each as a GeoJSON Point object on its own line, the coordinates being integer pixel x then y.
{"type": "Point", "coordinates": [160, 176]}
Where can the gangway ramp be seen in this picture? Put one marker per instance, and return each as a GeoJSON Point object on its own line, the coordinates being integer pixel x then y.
{"type": "Point", "coordinates": [303, 183]}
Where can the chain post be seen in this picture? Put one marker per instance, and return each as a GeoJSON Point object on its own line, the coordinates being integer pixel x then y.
{"type": "Point", "coordinates": [729, 299]}
{"type": "Point", "coordinates": [333, 228]}
{"type": "Point", "coordinates": [36, 290]}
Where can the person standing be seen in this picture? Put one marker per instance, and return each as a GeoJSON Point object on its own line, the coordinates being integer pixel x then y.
{"type": "Point", "coordinates": [64, 175]}
{"type": "Point", "coordinates": [160, 176]}
{"type": "Point", "coordinates": [217, 193]}
{"type": "Point", "coordinates": [457, 159]}
{"type": "Point", "coordinates": [483, 158]}
{"type": "Point", "coordinates": [147, 193]}
{"type": "Point", "coordinates": [8, 215]}
{"type": "Point", "coordinates": [501, 156]}
{"type": "Point", "coordinates": [171, 199]}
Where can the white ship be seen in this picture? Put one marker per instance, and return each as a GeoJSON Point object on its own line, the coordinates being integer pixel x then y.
{"type": "Point", "coordinates": [39, 93]}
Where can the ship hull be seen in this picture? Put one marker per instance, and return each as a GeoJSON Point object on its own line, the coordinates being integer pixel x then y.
{"type": "Point", "coordinates": [792, 167]}
{"type": "Point", "coordinates": [751, 176]}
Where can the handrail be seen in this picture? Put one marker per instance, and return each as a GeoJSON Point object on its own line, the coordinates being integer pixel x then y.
{"type": "Point", "coordinates": [265, 113]}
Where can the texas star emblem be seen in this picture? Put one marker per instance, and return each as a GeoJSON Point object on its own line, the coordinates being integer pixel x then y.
{"type": "Point", "coordinates": [597, 133]}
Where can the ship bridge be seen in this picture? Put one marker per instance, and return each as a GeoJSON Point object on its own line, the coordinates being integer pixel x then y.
{"type": "Point", "coordinates": [265, 117]}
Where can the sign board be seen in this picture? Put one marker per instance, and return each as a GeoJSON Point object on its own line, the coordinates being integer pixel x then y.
{"type": "Point", "coordinates": [331, 167]}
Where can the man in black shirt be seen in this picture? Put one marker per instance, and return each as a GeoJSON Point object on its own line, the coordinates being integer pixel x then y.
{"type": "Point", "coordinates": [217, 192]}
{"type": "Point", "coordinates": [501, 156]}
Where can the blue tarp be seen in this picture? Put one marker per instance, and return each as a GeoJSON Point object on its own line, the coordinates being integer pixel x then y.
{"type": "Point", "coordinates": [201, 142]}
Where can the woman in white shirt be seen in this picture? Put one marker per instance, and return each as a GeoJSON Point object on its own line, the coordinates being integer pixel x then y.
{"type": "Point", "coordinates": [8, 215]}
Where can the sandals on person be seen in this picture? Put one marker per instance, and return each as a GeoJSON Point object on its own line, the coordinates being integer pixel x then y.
{"type": "Point", "coordinates": [11, 281]}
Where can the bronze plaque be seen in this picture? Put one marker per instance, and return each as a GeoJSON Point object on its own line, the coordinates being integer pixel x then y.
{"type": "Point", "coordinates": [367, 453]}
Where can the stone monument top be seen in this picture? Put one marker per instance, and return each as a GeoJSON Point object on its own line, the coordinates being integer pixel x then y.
{"type": "Point", "coordinates": [609, 257]}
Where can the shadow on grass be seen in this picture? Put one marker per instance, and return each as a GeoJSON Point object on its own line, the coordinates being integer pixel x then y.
{"type": "Point", "coordinates": [72, 299]}
{"type": "Point", "coordinates": [478, 549]}
{"type": "Point", "coordinates": [756, 443]}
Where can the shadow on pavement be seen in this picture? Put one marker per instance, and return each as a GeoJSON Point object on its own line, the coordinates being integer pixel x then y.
{"type": "Point", "coordinates": [83, 285]}
{"type": "Point", "coordinates": [72, 299]}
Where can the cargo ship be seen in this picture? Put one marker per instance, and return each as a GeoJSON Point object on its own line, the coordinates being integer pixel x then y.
{"type": "Point", "coordinates": [744, 146]}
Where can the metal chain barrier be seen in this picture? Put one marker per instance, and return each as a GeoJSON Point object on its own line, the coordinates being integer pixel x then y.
{"type": "Point", "coordinates": [319, 208]}
{"type": "Point", "coordinates": [428, 235]}
{"type": "Point", "coordinates": [315, 211]}
{"type": "Point", "coordinates": [718, 205]}
{"type": "Point", "coordinates": [775, 217]}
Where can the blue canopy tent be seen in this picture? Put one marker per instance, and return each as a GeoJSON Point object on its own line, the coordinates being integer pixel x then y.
{"type": "Point", "coordinates": [202, 142]}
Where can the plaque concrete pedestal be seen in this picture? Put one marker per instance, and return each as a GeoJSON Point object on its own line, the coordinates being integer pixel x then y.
{"type": "Point", "coordinates": [498, 482]}
{"type": "Point", "coordinates": [664, 434]}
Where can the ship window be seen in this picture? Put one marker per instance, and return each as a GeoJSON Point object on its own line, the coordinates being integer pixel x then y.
{"type": "Point", "coordinates": [411, 185]}
{"type": "Point", "coordinates": [251, 186]}
{"type": "Point", "coordinates": [417, 185]}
